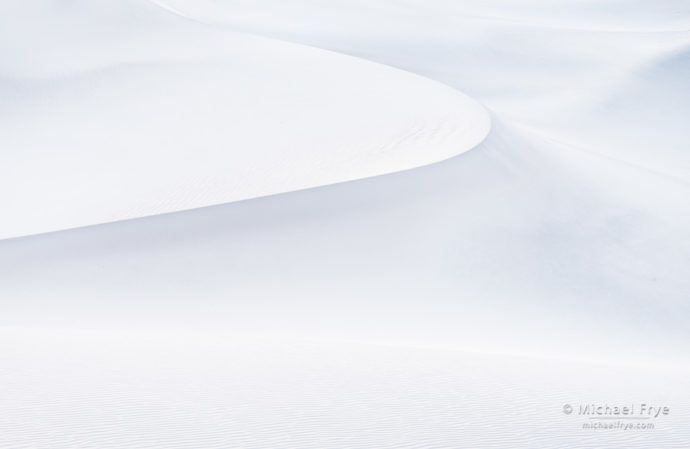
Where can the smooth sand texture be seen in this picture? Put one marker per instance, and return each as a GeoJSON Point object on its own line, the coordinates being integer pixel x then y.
{"type": "Point", "coordinates": [459, 304]}
{"type": "Point", "coordinates": [176, 115]}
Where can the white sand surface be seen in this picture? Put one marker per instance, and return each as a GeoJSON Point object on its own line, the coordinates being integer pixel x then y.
{"type": "Point", "coordinates": [505, 263]}
{"type": "Point", "coordinates": [155, 113]}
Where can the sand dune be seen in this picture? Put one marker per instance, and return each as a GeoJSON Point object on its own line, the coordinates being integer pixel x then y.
{"type": "Point", "coordinates": [183, 116]}
{"type": "Point", "coordinates": [496, 270]}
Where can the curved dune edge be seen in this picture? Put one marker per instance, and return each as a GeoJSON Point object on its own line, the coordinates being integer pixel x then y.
{"type": "Point", "coordinates": [123, 139]}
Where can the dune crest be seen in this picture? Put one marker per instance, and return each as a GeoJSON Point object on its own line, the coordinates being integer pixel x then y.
{"type": "Point", "coordinates": [176, 115]}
